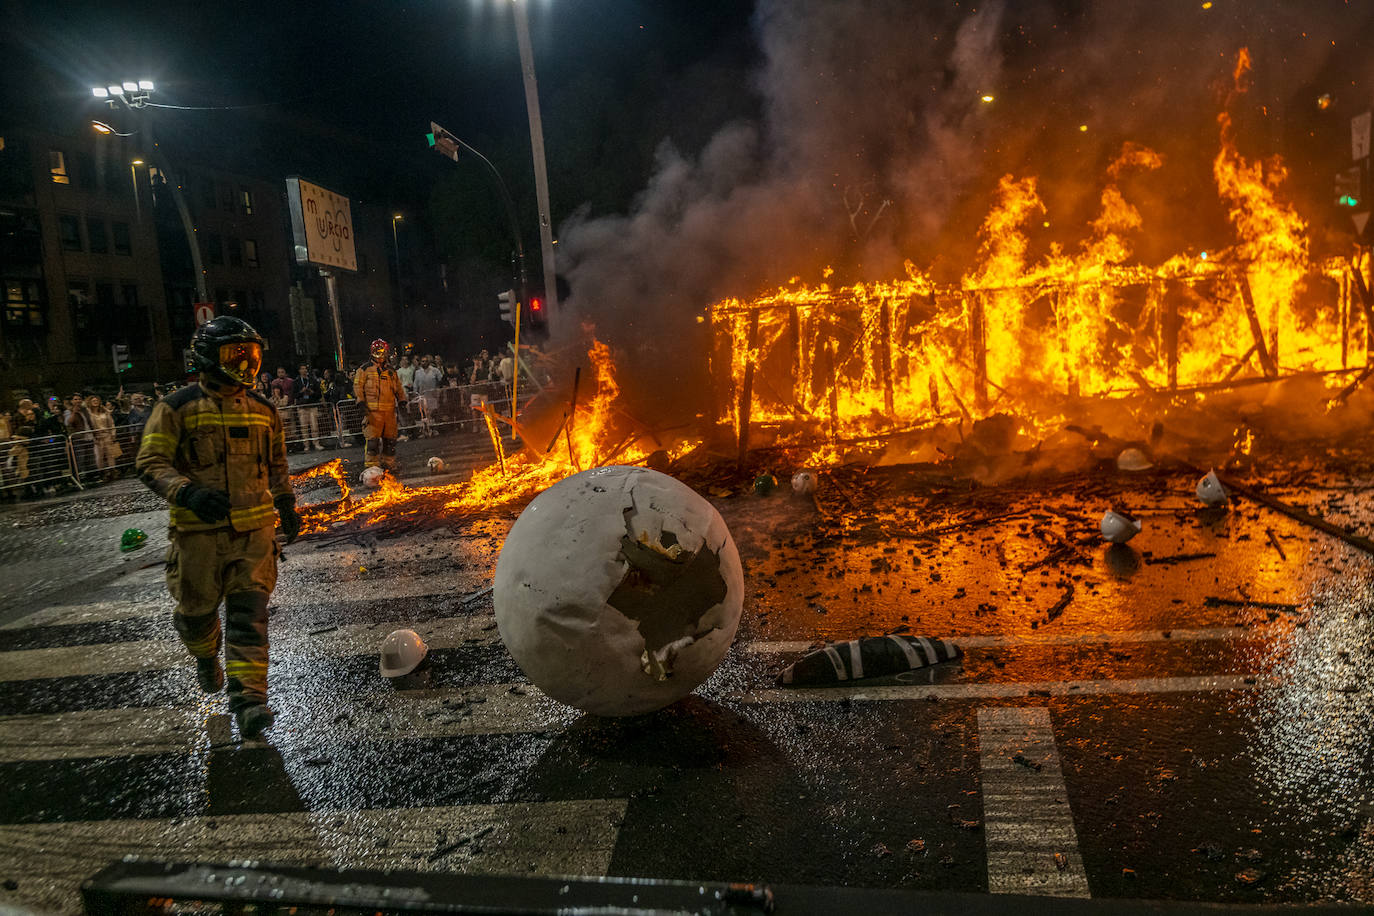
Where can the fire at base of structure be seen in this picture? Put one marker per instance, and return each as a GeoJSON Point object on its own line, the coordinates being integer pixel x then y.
{"type": "Point", "coordinates": [871, 360]}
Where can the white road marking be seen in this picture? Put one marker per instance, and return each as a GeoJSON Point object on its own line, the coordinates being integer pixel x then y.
{"type": "Point", "coordinates": [1026, 814]}
{"type": "Point", "coordinates": [544, 838]}
{"type": "Point", "coordinates": [160, 654]}
{"type": "Point", "coordinates": [1055, 639]}
{"type": "Point", "coordinates": [487, 709]}
{"type": "Point", "coordinates": [1013, 690]}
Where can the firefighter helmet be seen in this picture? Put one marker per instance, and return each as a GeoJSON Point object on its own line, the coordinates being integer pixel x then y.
{"type": "Point", "coordinates": [402, 652]}
{"type": "Point", "coordinates": [381, 351]}
{"type": "Point", "coordinates": [228, 349]}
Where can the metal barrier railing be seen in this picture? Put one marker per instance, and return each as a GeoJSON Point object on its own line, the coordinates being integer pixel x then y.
{"type": "Point", "coordinates": [86, 456]}
{"type": "Point", "coordinates": [38, 461]}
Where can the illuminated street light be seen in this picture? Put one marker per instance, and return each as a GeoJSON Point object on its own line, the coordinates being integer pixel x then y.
{"type": "Point", "coordinates": [400, 293]}
{"type": "Point", "coordinates": [133, 93]}
{"type": "Point", "coordinates": [102, 128]}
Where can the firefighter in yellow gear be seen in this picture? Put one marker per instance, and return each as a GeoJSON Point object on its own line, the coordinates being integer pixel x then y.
{"type": "Point", "coordinates": [378, 388]}
{"type": "Point", "coordinates": [216, 451]}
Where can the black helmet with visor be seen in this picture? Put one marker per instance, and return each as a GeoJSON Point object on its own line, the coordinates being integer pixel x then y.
{"type": "Point", "coordinates": [228, 349]}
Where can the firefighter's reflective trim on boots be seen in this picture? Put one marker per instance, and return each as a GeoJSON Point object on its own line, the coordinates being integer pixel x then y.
{"type": "Point", "coordinates": [380, 429]}
{"type": "Point", "coordinates": [379, 390]}
{"type": "Point", "coordinates": [204, 567]}
{"type": "Point", "coordinates": [245, 615]}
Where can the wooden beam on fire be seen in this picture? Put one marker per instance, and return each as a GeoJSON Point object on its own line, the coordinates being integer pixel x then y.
{"type": "Point", "coordinates": [746, 397]}
{"type": "Point", "coordinates": [1366, 304]}
{"type": "Point", "coordinates": [1256, 330]}
{"type": "Point", "coordinates": [1293, 512]}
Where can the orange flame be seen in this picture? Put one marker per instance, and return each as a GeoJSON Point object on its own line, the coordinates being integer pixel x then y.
{"type": "Point", "coordinates": [1028, 336]}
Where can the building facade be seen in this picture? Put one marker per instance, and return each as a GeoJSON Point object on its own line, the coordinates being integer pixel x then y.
{"type": "Point", "coordinates": [79, 264]}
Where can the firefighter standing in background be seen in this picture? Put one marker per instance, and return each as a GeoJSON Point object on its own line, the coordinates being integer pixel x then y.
{"type": "Point", "coordinates": [216, 451]}
{"type": "Point", "coordinates": [378, 388]}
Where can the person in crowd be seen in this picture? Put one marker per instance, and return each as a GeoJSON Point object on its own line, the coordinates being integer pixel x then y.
{"type": "Point", "coordinates": [281, 389]}
{"type": "Point", "coordinates": [406, 373]}
{"type": "Point", "coordinates": [77, 420]}
{"type": "Point", "coordinates": [307, 395]}
{"type": "Point", "coordinates": [481, 367]}
{"type": "Point", "coordinates": [138, 413]}
{"type": "Point", "coordinates": [262, 385]}
{"type": "Point", "coordinates": [216, 451]}
{"type": "Point", "coordinates": [428, 380]}
{"type": "Point", "coordinates": [107, 450]}
{"type": "Point", "coordinates": [379, 389]}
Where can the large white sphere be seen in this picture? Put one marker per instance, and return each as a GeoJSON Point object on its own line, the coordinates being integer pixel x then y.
{"type": "Point", "coordinates": [618, 590]}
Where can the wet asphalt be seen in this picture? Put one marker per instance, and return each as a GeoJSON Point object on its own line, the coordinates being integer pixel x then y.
{"type": "Point", "coordinates": [1191, 713]}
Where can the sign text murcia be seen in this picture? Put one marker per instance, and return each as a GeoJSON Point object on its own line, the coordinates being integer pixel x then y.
{"type": "Point", "coordinates": [322, 225]}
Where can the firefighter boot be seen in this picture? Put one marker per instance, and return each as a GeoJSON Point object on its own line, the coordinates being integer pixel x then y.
{"type": "Point", "coordinates": [254, 720]}
{"type": "Point", "coordinates": [210, 674]}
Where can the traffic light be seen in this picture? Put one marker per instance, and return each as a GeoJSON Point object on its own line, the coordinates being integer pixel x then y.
{"type": "Point", "coordinates": [1349, 192]}
{"type": "Point", "coordinates": [508, 305]}
{"type": "Point", "coordinates": [120, 354]}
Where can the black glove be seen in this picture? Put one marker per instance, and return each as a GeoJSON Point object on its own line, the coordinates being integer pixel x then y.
{"type": "Point", "coordinates": [209, 505]}
{"type": "Point", "coordinates": [290, 518]}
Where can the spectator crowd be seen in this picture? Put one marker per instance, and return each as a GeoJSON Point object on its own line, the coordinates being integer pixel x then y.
{"type": "Point", "coordinates": [91, 434]}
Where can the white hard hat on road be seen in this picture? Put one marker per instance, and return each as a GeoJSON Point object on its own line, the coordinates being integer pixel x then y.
{"type": "Point", "coordinates": [402, 652]}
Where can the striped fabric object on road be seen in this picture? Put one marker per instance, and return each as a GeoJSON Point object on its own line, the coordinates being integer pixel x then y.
{"type": "Point", "coordinates": [871, 656]}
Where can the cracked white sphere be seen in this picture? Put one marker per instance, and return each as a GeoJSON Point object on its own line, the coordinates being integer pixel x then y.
{"type": "Point", "coordinates": [618, 590]}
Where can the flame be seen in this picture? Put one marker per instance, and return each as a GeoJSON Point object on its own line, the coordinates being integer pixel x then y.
{"type": "Point", "coordinates": [1029, 336]}
{"type": "Point", "coordinates": [592, 439]}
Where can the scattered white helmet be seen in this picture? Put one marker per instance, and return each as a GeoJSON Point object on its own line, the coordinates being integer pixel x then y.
{"type": "Point", "coordinates": [436, 465]}
{"type": "Point", "coordinates": [1133, 459]}
{"type": "Point", "coordinates": [402, 652]}
{"type": "Point", "coordinates": [1118, 527]}
{"type": "Point", "coordinates": [1210, 490]}
{"type": "Point", "coordinates": [372, 477]}
{"type": "Point", "coordinates": [804, 483]}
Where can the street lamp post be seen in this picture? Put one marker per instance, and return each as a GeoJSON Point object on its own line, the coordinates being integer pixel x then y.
{"type": "Point", "coordinates": [400, 290]}
{"type": "Point", "coordinates": [541, 178]}
{"type": "Point", "coordinates": [136, 95]}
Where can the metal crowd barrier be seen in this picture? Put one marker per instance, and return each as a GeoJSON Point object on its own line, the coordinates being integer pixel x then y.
{"type": "Point", "coordinates": [87, 456]}
{"type": "Point", "coordinates": [40, 461]}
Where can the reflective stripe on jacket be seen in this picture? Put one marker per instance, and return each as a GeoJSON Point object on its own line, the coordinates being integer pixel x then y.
{"type": "Point", "coordinates": [377, 388]}
{"type": "Point", "coordinates": [230, 441]}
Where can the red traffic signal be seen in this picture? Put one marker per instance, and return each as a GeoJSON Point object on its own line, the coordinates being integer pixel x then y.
{"type": "Point", "coordinates": [536, 305]}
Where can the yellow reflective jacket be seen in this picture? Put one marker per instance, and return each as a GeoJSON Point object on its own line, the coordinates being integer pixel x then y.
{"type": "Point", "coordinates": [378, 388]}
{"type": "Point", "coordinates": [229, 440]}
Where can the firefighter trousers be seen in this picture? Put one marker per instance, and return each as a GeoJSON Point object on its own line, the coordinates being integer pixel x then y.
{"type": "Point", "coordinates": [240, 569]}
{"type": "Point", "coordinates": [379, 429]}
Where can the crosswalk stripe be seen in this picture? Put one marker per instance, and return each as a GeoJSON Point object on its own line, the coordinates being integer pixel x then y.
{"type": "Point", "coordinates": [158, 654]}
{"type": "Point", "coordinates": [1013, 690]}
{"type": "Point", "coordinates": [545, 838]}
{"type": "Point", "coordinates": [784, 647]}
{"type": "Point", "coordinates": [1026, 814]}
{"type": "Point", "coordinates": [486, 709]}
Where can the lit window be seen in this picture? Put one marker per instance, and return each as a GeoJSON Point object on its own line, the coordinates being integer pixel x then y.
{"type": "Point", "coordinates": [246, 201]}
{"type": "Point", "coordinates": [57, 167]}
{"type": "Point", "coordinates": [250, 253]}
{"type": "Point", "coordinates": [23, 305]}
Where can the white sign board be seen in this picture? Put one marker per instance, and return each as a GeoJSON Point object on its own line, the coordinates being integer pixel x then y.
{"type": "Point", "coordinates": [205, 311]}
{"type": "Point", "coordinates": [322, 224]}
{"type": "Point", "coordinates": [1359, 136]}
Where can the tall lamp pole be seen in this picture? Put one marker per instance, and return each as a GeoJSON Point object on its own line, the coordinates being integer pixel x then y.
{"type": "Point", "coordinates": [400, 291]}
{"type": "Point", "coordinates": [541, 178]}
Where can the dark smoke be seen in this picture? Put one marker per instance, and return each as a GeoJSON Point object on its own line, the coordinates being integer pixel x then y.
{"type": "Point", "coordinates": [876, 148]}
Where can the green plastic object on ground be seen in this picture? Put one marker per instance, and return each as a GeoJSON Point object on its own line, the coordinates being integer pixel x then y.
{"type": "Point", "coordinates": [765, 483]}
{"type": "Point", "coordinates": [132, 539]}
